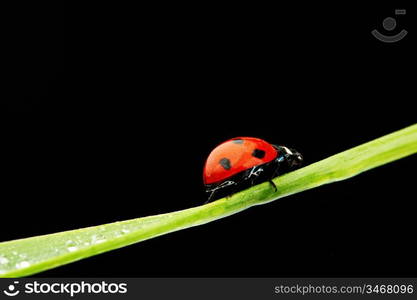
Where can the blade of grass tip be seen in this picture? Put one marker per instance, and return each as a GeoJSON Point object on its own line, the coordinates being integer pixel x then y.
{"type": "Point", "coordinates": [32, 255]}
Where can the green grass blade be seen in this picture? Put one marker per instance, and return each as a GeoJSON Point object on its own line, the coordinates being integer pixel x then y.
{"type": "Point", "coordinates": [32, 255]}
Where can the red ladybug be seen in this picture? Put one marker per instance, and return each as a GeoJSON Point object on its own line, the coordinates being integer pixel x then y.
{"type": "Point", "coordinates": [242, 162]}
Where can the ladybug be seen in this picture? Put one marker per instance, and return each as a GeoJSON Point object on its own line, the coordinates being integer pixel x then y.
{"type": "Point", "coordinates": [242, 162]}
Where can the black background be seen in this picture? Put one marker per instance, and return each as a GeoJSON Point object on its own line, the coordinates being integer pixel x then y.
{"type": "Point", "coordinates": [111, 116]}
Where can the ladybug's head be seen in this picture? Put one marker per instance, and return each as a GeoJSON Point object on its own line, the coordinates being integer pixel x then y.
{"type": "Point", "coordinates": [293, 158]}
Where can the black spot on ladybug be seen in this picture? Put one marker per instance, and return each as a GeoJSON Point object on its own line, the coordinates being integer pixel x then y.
{"type": "Point", "coordinates": [238, 141]}
{"type": "Point", "coordinates": [225, 162]}
{"type": "Point", "coordinates": [258, 153]}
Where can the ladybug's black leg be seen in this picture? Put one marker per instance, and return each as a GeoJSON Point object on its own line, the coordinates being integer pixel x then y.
{"type": "Point", "coordinates": [209, 197]}
{"type": "Point", "coordinates": [221, 190]}
{"type": "Point", "coordinates": [273, 184]}
{"type": "Point", "coordinates": [275, 173]}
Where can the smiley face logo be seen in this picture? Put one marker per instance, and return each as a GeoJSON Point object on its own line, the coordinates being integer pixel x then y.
{"type": "Point", "coordinates": [11, 290]}
{"type": "Point", "coordinates": [389, 25]}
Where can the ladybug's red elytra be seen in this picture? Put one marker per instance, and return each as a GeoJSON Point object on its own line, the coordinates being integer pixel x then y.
{"type": "Point", "coordinates": [242, 162]}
